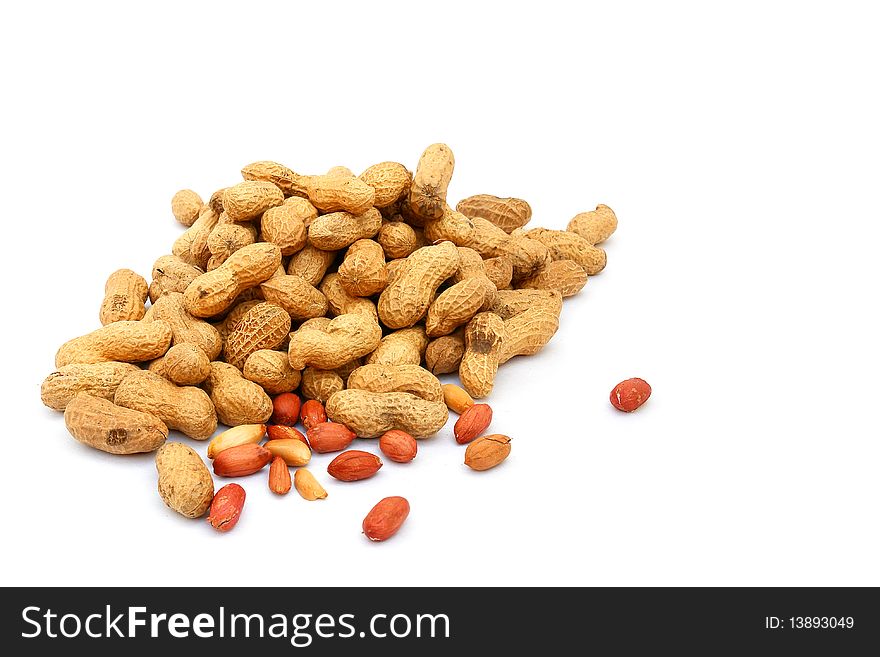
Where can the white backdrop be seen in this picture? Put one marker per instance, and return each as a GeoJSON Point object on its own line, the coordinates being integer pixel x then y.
{"type": "Point", "coordinates": [739, 148]}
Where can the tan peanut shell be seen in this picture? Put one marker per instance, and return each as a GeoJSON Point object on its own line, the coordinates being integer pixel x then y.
{"type": "Point", "coordinates": [285, 225]}
{"type": "Point", "coordinates": [565, 245]}
{"type": "Point", "coordinates": [527, 257]}
{"type": "Point", "coordinates": [508, 303]}
{"type": "Point", "coordinates": [129, 342]}
{"type": "Point", "coordinates": [484, 341]}
{"type": "Point", "coordinates": [338, 230]}
{"type": "Point", "coordinates": [334, 193]}
{"type": "Point", "coordinates": [311, 263]}
{"type": "Point", "coordinates": [451, 226]}
{"type": "Point", "coordinates": [362, 272]}
{"type": "Point", "coordinates": [402, 347]}
{"type": "Point", "coordinates": [499, 270]}
{"type": "Point", "coordinates": [340, 172]}
{"type": "Point", "coordinates": [444, 354]}
{"type": "Point", "coordinates": [471, 265]}
{"type": "Point", "coordinates": [215, 291]}
{"type": "Point", "coordinates": [345, 338]}
{"type": "Point", "coordinates": [125, 294]}
{"type": "Point", "coordinates": [185, 483]}
{"type": "Point", "coordinates": [238, 311]}
{"type": "Point", "coordinates": [184, 365]}
{"type": "Point", "coordinates": [396, 378]}
{"type": "Point", "coordinates": [427, 196]}
{"type": "Point", "coordinates": [185, 206]}
{"type": "Point", "coordinates": [526, 333]}
{"type": "Point", "coordinates": [192, 246]}
{"type": "Point", "coordinates": [397, 239]}
{"type": "Point", "coordinates": [237, 400]}
{"type": "Point", "coordinates": [320, 384]}
{"type": "Point", "coordinates": [458, 304]}
{"type": "Point", "coordinates": [288, 181]}
{"type": "Point", "coordinates": [251, 198]}
{"type": "Point", "coordinates": [171, 274]}
{"type": "Point", "coordinates": [271, 370]}
{"type": "Point", "coordinates": [265, 326]}
{"type": "Point", "coordinates": [506, 213]}
{"type": "Point", "coordinates": [216, 201]}
{"type": "Point", "coordinates": [371, 414]}
{"type": "Point", "coordinates": [296, 296]}
{"type": "Point", "coordinates": [595, 226]}
{"type": "Point", "coordinates": [184, 408]}
{"type": "Point", "coordinates": [340, 302]}
{"type": "Point", "coordinates": [405, 301]}
{"type": "Point", "coordinates": [394, 268]}
{"type": "Point", "coordinates": [389, 180]}
{"type": "Point", "coordinates": [185, 328]}
{"type": "Point", "coordinates": [96, 379]}
{"type": "Point", "coordinates": [225, 240]}
{"type": "Point", "coordinates": [565, 276]}
{"type": "Point", "coordinates": [101, 424]}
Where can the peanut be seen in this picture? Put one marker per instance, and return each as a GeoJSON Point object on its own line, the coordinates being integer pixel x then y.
{"type": "Point", "coordinates": [345, 338]}
{"type": "Point", "coordinates": [265, 326]}
{"type": "Point", "coordinates": [243, 434]}
{"type": "Point", "coordinates": [403, 347]}
{"type": "Point", "coordinates": [225, 240]}
{"type": "Point", "coordinates": [565, 276]}
{"type": "Point", "coordinates": [285, 225]}
{"type": "Point", "coordinates": [311, 263]}
{"type": "Point", "coordinates": [370, 414]}
{"type": "Point", "coordinates": [389, 180]}
{"type": "Point", "coordinates": [362, 272]}
{"type": "Point", "coordinates": [506, 213]}
{"type": "Point", "coordinates": [456, 398]}
{"type": "Point", "coordinates": [320, 384]}
{"type": "Point", "coordinates": [444, 354]}
{"type": "Point", "coordinates": [124, 297]}
{"type": "Point", "coordinates": [307, 486]}
{"type": "Point", "coordinates": [171, 274]}
{"type": "Point", "coordinates": [187, 409]}
{"type": "Point", "coordinates": [186, 329]}
{"type": "Point", "coordinates": [595, 226]}
{"type": "Point", "coordinates": [397, 378]}
{"type": "Point", "coordinates": [564, 245]}
{"type": "Point", "coordinates": [184, 365]}
{"type": "Point", "coordinates": [251, 198]}
{"type": "Point", "coordinates": [215, 291]}
{"type": "Point", "coordinates": [338, 230]}
{"type": "Point", "coordinates": [272, 371]}
{"type": "Point", "coordinates": [129, 342]}
{"type": "Point", "coordinates": [427, 196]}
{"type": "Point", "coordinates": [526, 333]}
{"type": "Point", "coordinates": [499, 270]}
{"type": "Point", "coordinates": [484, 339]}
{"type": "Point", "coordinates": [185, 484]}
{"type": "Point", "coordinates": [192, 246]}
{"type": "Point", "coordinates": [333, 193]}
{"type": "Point", "coordinates": [512, 302]}
{"type": "Point", "coordinates": [237, 400]}
{"type": "Point", "coordinates": [458, 304]}
{"type": "Point", "coordinates": [285, 179]}
{"type": "Point", "coordinates": [526, 256]}
{"type": "Point", "coordinates": [452, 226]}
{"type": "Point", "coordinates": [341, 302]}
{"type": "Point", "coordinates": [398, 239]}
{"type": "Point", "coordinates": [405, 301]}
{"type": "Point", "coordinates": [101, 424]}
{"type": "Point", "coordinates": [185, 206]}
{"type": "Point", "coordinates": [96, 379]}
{"type": "Point", "coordinates": [296, 296]}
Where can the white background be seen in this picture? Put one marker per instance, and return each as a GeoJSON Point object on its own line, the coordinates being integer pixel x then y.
{"type": "Point", "coordinates": [739, 148]}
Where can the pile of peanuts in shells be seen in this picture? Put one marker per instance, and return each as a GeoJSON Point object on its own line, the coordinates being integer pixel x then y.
{"type": "Point", "coordinates": [331, 302]}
